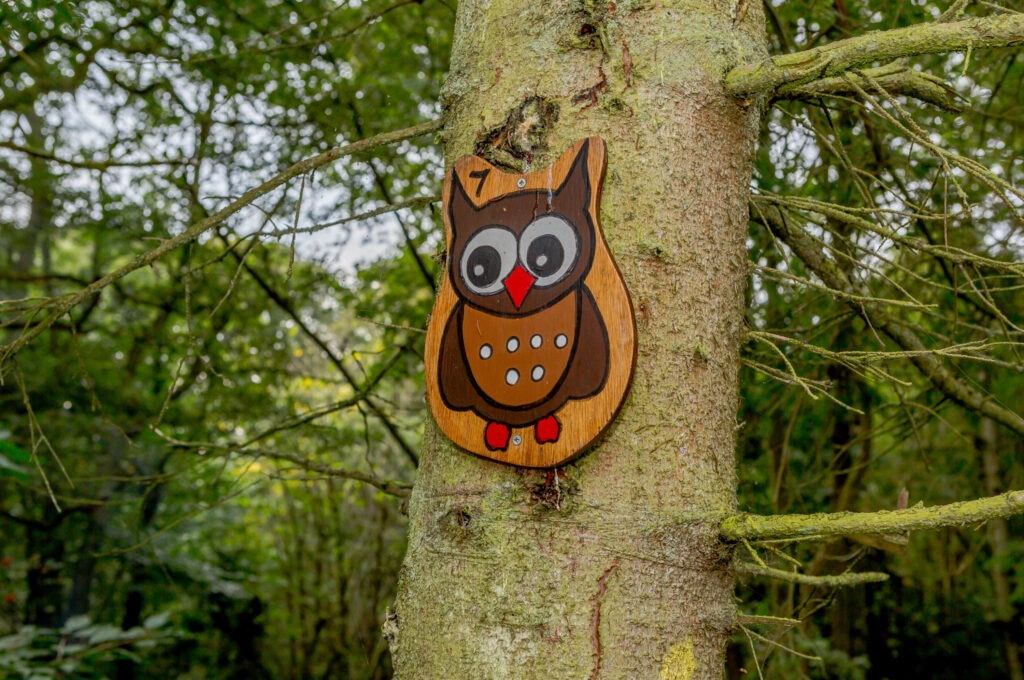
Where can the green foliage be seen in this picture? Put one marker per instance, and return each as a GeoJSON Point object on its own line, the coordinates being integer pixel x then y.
{"type": "Point", "coordinates": [79, 649]}
{"type": "Point", "coordinates": [13, 461]}
{"type": "Point", "coordinates": [195, 425]}
{"type": "Point", "coordinates": [836, 416]}
{"type": "Point", "coordinates": [189, 443]}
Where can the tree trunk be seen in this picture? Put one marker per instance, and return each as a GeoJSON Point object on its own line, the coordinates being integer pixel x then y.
{"type": "Point", "coordinates": [612, 566]}
{"type": "Point", "coordinates": [44, 546]}
{"type": "Point", "coordinates": [998, 537]}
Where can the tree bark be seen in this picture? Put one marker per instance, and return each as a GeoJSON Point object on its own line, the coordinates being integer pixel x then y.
{"type": "Point", "coordinates": [998, 537]}
{"type": "Point", "coordinates": [611, 567]}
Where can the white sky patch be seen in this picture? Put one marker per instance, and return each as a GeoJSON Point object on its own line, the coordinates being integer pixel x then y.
{"type": "Point", "coordinates": [92, 122]}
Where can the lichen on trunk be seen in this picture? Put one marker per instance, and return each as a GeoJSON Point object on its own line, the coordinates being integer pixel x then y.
{"type": "Point", "coordinates": [611, 567]}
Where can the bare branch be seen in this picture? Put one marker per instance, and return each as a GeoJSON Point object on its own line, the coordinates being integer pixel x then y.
{"type": "Point", "coordinates": [312, 42]}
{"type": "Point", "coordinates": [828, 581]}
{"type": "Point", "coordinates": [394, 488]}
{"type": "Point", "coordinates": [837, 58]}
{"type": "Point", "coordinates": [754, 619]}
{"type": "Point", "coordinates": [360, 217]}
{"type": "Point", "coordinates": [59, 306]}
{"type": "Point", "coordinates": [773, 527]}
{"type": "Point", "coordinates": [87, 164]}
{"type": "Point", "coordinates": [874, 312]}
{"type": "Point", "coordinates": [847, 214]}
{"type": "Point", "coordinates": [286, 307]}
{"type": "Point", "coordinates": [896, 79]}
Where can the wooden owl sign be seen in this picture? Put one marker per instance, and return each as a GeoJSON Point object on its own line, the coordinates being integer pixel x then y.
{"type": "Point", "coordinates": [532, 342]}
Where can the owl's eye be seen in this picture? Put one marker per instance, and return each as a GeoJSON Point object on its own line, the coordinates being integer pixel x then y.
{"type": "Point", "coordinates": [488, 259]}
{"type": "Point", "coordinates": [549, 247]}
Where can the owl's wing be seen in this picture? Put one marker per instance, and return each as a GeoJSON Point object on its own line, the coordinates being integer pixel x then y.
{"type": "Point", "coordinates": [588, 369]}
{"type": "Point", "coordinates": [455, 386]}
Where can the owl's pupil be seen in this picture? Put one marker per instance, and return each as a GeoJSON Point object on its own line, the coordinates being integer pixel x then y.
{"type": "Point", "coordinates": [484, 266]}
{"type": "Point", "coordinates": [545, 255]}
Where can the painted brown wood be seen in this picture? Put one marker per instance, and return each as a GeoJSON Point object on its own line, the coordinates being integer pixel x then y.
{"type": "Point", "coordinates": [532, 343]}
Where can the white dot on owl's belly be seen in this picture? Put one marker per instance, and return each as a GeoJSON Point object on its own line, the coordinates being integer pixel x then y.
{"type": "Point", "coordinates": [561, 341]}
{"type": "Point", "coordinates": [513, 344]}
{"type": "Point", "coordinates": [512, 376]}
{"type": "Point", "coordinates": [485, 351]}
{"type": "Point", "coordinates": [537, 373]}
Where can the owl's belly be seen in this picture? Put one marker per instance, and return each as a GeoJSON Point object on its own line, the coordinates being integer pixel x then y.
{"type": "Point", "coordinates": [518, 361]}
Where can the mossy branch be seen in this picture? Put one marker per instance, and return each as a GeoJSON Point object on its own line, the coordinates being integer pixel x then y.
{"type": "Point", "coordinates": [835, 59]}
{"type": "Point", "coordinates": [928, 362]}
{"type": "Point", "coordinates": [59, 306]}
{"type": "Point", "coordinates": [895, 79]}
{"type": "Point", "coordinates": [774, 527]}
{"type": "Point", "coordinates": [754, 619]}
{"type": "Point", "coordinates": [828, 581]}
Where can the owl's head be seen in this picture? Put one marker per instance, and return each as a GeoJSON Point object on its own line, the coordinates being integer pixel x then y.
{"type": "Point", "coordinates": [516, 248]}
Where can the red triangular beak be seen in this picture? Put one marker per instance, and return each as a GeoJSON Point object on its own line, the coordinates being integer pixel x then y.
{"type": "Point", "coordinates": [518, 284]}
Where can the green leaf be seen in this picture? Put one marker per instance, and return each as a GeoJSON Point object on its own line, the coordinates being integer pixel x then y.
{"type": "Point", "coordinates": [14, 452]}
{"type": "Point", "coordinates": [156, 621]}
{"type": "Point", "coordinates": [76, 623]}
{"type": "Point", "coordinates": [100, 634]}
{"type": "Point", "coordinates": [8, 468]}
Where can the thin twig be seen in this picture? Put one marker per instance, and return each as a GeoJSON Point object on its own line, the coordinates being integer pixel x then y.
{"type": "Point", "coordinates": [828, 581]}
{"type": "Point", "coordinates": [61, 305]}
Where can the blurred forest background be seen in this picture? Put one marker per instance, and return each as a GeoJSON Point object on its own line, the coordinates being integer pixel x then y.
{"type": "Point", "coordinates": [203, 468]}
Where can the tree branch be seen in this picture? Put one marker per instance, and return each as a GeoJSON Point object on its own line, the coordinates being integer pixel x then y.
{"type": "Point", "coordinates": [828, 581]}
{"type": "Point", "coordinates": [284, 305]}
{"type": "Point", "coordinates": [35, 278]}
{"type": "Point", "coordinates": [392, 487]}
{"type": "Point", "coordinates": [360, 217]}
{"type": "Point", "coordinates": [896, 79]}
{"type": "Point", "coordinates": [378, 179]}
{"type": "Point", "coordinates": [874, 313]}
{"type": "Point", "coordinates": [87, 164]}
{"type": "Point", "coordinates": [837, 58]}
{"type": "Point", "coordinates": [61, 305]}
{"type": "Point", "coordinates": [774, 527]}
{"type": "Point", "coordinates": [395, 488]}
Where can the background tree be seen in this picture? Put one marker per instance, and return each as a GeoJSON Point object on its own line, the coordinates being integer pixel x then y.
{"type": "Point", "coordinates": [139, 478]}
{"type": "Point", "coordinates": [210, 419]}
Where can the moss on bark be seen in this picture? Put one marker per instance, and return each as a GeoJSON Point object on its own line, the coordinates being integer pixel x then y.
{"type": "Point", "coordinates": [917, 518]}
{"type": "Point", "coordinates": [842, 56]}
{"type": "Point", "coordinates": [627, 564]}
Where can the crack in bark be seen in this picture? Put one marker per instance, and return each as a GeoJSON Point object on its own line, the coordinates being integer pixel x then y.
{"type": "Point", "coordinates": [595, 618]}
{"type": "Point", "coordinates": [589, 95]}
{"type": "Point", "coordinates": [521, 137]}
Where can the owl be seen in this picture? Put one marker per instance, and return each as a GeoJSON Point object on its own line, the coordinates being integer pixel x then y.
{"type": "Point", "coordinates": [532, 344]}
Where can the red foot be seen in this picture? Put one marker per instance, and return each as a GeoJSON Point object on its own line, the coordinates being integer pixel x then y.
{"type": "Point", "coordinates": [547, 430]}
{"type": "Point", "coordinates": [496, 436]}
